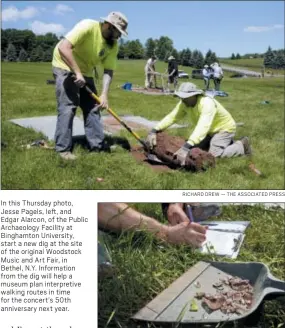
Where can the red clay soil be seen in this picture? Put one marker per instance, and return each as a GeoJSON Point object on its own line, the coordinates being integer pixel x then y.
{"type": "Point", "coordinates": [139, 154]}
{"type": "Point", "coordinates": [197, 160]}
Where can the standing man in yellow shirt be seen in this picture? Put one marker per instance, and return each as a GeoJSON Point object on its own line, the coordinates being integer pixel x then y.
{"type": "Point", "coordinates": [214, 127]}
{"type": "Point", "coordinates": [88, 44]}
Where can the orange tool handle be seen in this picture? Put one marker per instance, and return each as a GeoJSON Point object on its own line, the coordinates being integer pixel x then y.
{"type": "Point", "coordinates": [92, 94]}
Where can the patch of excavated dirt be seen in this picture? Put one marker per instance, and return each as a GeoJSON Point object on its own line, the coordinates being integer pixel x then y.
{"type": "Point", "coordinates": [197, 159]}
{"type": "Point", "coordinates": [139, 154]}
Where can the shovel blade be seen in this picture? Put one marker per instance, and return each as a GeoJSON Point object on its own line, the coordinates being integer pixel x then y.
{"type": "Point", "coordinates": [154, 158]}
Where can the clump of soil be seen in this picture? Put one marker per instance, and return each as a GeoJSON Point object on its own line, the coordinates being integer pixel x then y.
{"type": "Point", "coordinates": [237, 300]}
{"type": "Point", "coordinates": [197, 160]}
{"type": "Point", "coordinates": [139, 154]}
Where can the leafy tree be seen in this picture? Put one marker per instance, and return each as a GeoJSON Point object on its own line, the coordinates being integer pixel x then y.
{"type": "Point", "coordinates": [37, 54]}
{"type": "Point", "coordinates": [175, 54]}
{"type": "Point", "coordinates": [199, 60]}
{"type": "Point", "coordinates": [47, 41]}
{"type": "Point", "coordinates": [164, 47]}
{"type": "Point", "coordinates": [181, 56]}
{"type": "Point", "coordinates": [134, 49]}
{"type": "Point", "coordinates": [269, 58]}
{"type": "Point", "coordinates": [195, 55]}
{"type": "Point", "coordinates": [233, 56]}
{"type": "Point", "coordinates": [238, 56]}
{"type": "Point", "coordinates": [122, 49]}
{"type": "Point", "coordinates": [280, 59]}
{"type": "Point", "coordinates": [208, 57]}
{"type": "Point", "coordinates": [23, 56]}
{"type": "Point", "coordinates": [213, 58]}
{"type": "Point", "coordinates": [4, 41]}
{"type": "Point", "coordinates": [188, 57]}
{"type": "Point", "coordinates": [20, 38]}
{"type": "Point", "coordinates": [150, 47]}
{"type": "Point", "coordinates": [47, 56]}
{"type": "Point", "coordinates": [11, 53]}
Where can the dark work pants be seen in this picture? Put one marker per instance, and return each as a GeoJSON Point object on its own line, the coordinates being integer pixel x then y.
{"type": "Point", "coordinates": [69, 97]}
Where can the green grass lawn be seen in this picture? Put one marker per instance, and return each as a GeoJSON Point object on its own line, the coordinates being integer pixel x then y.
{"type": "Point", "coordinates": [254, 64]}
{"type": "Point", "coordinates": [146, 267]}
{"type": "Point", "coordinates": [26, 94]}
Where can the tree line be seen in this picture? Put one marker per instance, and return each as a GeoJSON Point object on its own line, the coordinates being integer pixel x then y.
{"type": "Point", "coordinates": [274, 58]}
{"type": "Point", "coordinates": [271, 58]}
{"type": "Point", "coordinates": [24, 45]}
{"type": "Point", "coordinates": [163, 48]}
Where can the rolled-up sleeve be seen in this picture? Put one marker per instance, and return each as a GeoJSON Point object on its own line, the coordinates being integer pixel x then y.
{"type": "Point", "coordinates": [208, 111]}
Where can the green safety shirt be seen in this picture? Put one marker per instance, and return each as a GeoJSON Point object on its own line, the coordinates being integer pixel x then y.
{"type": "Point", "coordinates": [208, 116]}
{"type": "Point", "coordinates": [89, 48]}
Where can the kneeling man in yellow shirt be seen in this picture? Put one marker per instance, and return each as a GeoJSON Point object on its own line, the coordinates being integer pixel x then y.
{"type": "Point", "coordinates": [214, 126]}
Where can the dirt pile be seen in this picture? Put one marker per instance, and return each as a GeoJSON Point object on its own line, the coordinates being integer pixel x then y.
{"type": "Point", "coordinates": [197, 160]}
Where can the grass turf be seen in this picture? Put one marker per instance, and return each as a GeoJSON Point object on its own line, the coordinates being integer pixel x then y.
{"type": "Point", "coordinates": [253, 64]}
{"type": "Point", "coordinates": [26, 94]}
{"type": "Point", "coordinates": [146, 267]}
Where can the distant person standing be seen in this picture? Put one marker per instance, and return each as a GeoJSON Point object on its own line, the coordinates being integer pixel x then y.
{"type": "Point", "coordinates": [206, 76]}
{"type": "Point", "coordinates": [218, 75]}
{"type": "Point", "coordinates": [172, 72]}
{"type": "Point", "coordinates": [149, 70]}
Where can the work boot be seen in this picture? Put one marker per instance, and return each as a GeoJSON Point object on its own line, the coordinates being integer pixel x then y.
{"type": "Point", "coordinates": [246, 146]}
{"type": "Point", "coordinates": [67, 155]}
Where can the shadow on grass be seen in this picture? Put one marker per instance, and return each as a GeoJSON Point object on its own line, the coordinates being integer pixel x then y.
{"type": "Point", "coordinates": [81, 141]}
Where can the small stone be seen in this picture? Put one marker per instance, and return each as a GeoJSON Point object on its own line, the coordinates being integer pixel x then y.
{"type": "Point", "coordinates": [199, 295]}
{"type": "Point", "coordinates": [197, 284]}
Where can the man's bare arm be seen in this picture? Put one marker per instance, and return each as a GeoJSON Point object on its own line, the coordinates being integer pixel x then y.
{"type": "Point", "coordinates": [120, 217]}
{"type": "Point", "coordinates": [65, 50]}
{"type": "Point", "coordinates": [107, 79]}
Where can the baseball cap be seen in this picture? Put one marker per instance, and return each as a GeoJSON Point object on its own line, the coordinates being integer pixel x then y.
{"type": "Point", "coordinates": [187, 89]}
{"type": "Point", "coordinates": [170, 58]}
{"type": "Point", "coordinates": [118, 20]}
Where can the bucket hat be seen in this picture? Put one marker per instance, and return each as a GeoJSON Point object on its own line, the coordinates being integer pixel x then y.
{"type": "Point", "coordinates": [118, 20]}
{"type": "Point", "coordinates": [187, 89]}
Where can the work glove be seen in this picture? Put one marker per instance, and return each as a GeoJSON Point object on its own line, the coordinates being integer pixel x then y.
{"type": "Point", "coordinates": [182, 153]}
{"type": "Point", "coordinates": [151, 139]}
